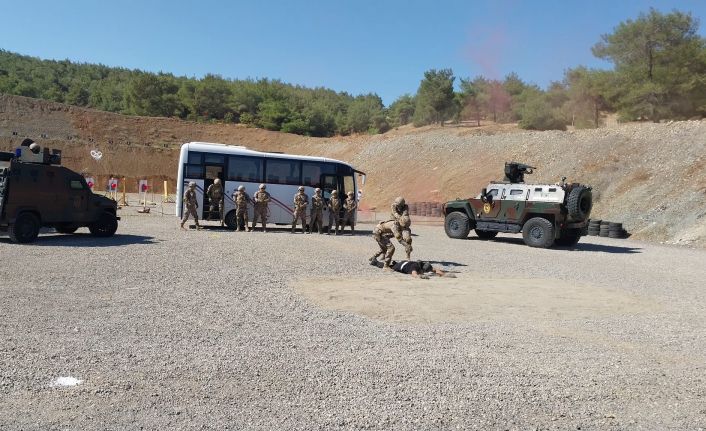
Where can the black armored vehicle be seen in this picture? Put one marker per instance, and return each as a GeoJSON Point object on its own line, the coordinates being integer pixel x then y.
{"type": "Point", "coordinates": [36, 191]}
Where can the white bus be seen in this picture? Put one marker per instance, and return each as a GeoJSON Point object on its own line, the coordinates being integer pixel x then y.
{"type": "Point", "coordinates": [203, 162]}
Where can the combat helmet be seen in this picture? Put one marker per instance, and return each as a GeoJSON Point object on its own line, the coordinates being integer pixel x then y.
{"type": "Point", "coordinates": [301, 188]}
{"type": "Point", "coordinates": [399, 201]}
{"type": "Point", "coordinates": [217, 181]}
{"type": "Point", "coordinates": [350, 194]}
{"type": "Point", "coordinates": [262, 187]}
{"type": "Point", "coordinates": [241, 188]}
{"type": "Point", "coordinates": [317, 190]}
{"type": "Point", "coordinates": [192, 185]}
{"type": "Point", "coordinates": [334, 192]}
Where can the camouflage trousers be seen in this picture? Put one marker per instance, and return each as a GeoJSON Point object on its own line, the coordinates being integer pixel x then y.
{"type": "Point", "coordinates": [317, 219]}
{"type": "Point", "coordinates": [386, 248]}
{"type": "Point", "coordinates": [299, 214]}
{"type": "Point", "coordinates": [348, 218]}
{"type": "Point", "coordinates": [334, 221]}
{"type": "Point", "coordinates": [260, 214]}
{"type": "Point", "coordinates": [406, 241]}
{"type": "Point", "coordinates": [215, 207]}
{"type": "Point", "coordinates": [241, 218]}
{"type": "Point", "coordinates": [190, 210]}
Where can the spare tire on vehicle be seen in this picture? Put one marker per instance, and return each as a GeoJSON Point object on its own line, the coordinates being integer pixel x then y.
{"type": "Point", "coordinates": [579, 203]}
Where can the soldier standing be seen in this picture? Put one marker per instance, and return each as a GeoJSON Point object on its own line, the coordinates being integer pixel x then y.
{"type": "Point", "coordinates": [317, 211]}
{"type": "Point", "coordinates": [241, 209]}
{"type": "Point", "coordinates": [301, 201]}
{"type": "Point", "coordinates": [215, 198]}
{"type": "Point", "coordinates": [262, 199]}
{"type": "Point", "coordinates": [191, 205]}
{"type": "Point", "coordinates": [334, 212]}
{"type": "Point", "coordinates": [349, 206]}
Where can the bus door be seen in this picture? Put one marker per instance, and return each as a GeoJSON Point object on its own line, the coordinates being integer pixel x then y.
{"type": "Point", "coordinates": [329, 183]}
{"type": "Point", "coordinates": [211, 172]}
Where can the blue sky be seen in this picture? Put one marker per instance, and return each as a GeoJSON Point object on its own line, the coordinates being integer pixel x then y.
{"type": "Point", "coordinates": [356, 46]}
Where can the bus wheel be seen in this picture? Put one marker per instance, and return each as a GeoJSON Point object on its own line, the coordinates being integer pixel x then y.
{"type": "Point", "coordinates": [231, 220]}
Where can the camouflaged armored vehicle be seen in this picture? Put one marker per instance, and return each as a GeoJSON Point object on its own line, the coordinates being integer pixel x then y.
{"type": "Point", "coordinates": [546, 214]}
{"type": "Point", "coordinates": [35, 191]}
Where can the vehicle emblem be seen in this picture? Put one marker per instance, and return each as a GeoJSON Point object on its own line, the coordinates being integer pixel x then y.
{"type": "Point", "coordinates": [487, 207]}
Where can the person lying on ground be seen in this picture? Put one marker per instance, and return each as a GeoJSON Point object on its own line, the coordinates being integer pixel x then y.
{"type": "Point", "coordinates": [416, 268]}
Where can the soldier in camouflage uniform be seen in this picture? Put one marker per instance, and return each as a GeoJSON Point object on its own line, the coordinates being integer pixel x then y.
{"type": "Point", "coordinates": [301, 201]}
{"type": "Point", "coordinates": [386, 230]}
{"type": "Point", "coordinates": [262, 199]}
{"type": "Point", "coordinates": [192, 205]}
{"type": "Point", "coordinates": [399, 208]}
{"type": "Point", "coordinates": [317, 212]}
{"type": "Point", "coordinates": [215, 198]}
{"type": "Point", "coordinates": [334, 212]}
{"type": "Point", "coordinates": [241, 200]}
{"type": "Point", "coordinates": [349, 206]}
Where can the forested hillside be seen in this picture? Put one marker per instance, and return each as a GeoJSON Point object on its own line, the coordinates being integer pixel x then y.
{"type": "Point", "coordinates": [659, 73]}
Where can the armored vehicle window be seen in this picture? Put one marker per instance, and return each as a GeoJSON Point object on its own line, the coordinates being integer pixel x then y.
{"type": "Point", "coordinates": [537, 189]}
{"type": "Point", "coordinates": [245, 169]}
{"type": "Point", "coordinates": [515, 192]}
{"type": "Point", "coordinates": [194, 172]}
{"type": "Point", "coordinates": [281, 171]}
{"type": "Point", "coordinates": [493, 192]}
{"type": "Point", "coordinates": [552, 190]}
{"type": "Point", "coordinates": [76, 185]}
{"type": "Point", "coordinates": [195, 158]}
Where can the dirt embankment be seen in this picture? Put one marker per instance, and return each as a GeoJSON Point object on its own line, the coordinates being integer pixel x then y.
{"type": "Point", "coordinates": [650, 176]}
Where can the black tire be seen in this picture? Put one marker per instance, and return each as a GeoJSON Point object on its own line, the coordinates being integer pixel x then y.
{"type": "Point", "coordinates": [25, 229]}
{"type": "Point", "coordinates": [579, 203]}
{"type": "Point", "coordinates": [604, 233]}
{"type": "Point", "coordinates": [105, 226]}
{"type": "Point", "coordinates": [457, 225]}
{"type": "Point", "coordinates": [231, 220]}
{"type": "Point", "coordinates": [595, 221]}
{"type": "Point", "coordinates": [593, 233]}
{"type": "Point", "coordinates": [569, 238]}
{"type": "Point", "coordinates": [615, 226]}
{"type": "Point", "coordinates": [538, 232]}
{"type": "Point", "coordinates": [615, 234]}
{"type": "Point", "coordinates": [66, 228]}
{"type": "Point", "coordinates": [486, 234]}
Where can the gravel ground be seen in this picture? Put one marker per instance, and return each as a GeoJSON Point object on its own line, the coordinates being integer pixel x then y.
{"type": "Point", "coordinates": [203, 330]}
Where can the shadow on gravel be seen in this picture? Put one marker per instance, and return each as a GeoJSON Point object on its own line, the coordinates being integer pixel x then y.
{"type": "Point", "coordinates": [606, 248]}
{"type": "Point", "coordinates": [445, 263]}
{"type": "Point", "coordinates": [602, 248]}
{"type": "Point", "coordinates": [88, 240]}
{"type": "Point", "coordinates": [282, 229]}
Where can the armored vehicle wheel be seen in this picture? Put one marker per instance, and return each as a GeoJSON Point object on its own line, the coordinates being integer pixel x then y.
{"type": "Point", "coordinates": [457, 225]}
{"type": "Point", "coordinates": [569, 238]}
{"type": "Point", "coordinates": [579, 203]}
{"type": "Point", "coordinates": [231, 220]}
{"type": "Point", "coordinates": [486, 234]}
{"type": "Point", "coordinates": [105, 226]}
{"type": "Point", "coordinates": [66, 228]}
{"type": "Point", "coordinates": [538, 232]}
{"type": "Point", "coordinates": [25, 229]}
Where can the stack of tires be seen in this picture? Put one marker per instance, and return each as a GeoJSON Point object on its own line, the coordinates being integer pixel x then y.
{"type": "Point", "coordinates": [606, 228]}
{"type": "Point", "coordinates": [594, 227]}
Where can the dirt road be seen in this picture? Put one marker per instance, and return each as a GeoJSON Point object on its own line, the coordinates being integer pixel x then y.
{"type": "Point", "coordinates": [161, 329]}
